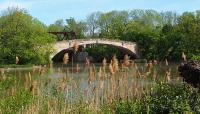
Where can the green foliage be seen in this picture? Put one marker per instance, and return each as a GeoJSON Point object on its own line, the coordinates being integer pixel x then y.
{"type": "Point", "coordinates": [196, 57]}
{"type": "Point", "coordinates": [6, 84]}
{"type": "Point", "coordinates": [78, 27]}
{"type": "Point", "coordinates": [15, 103]}
{"type": "Point", "coordinates": [165, 98]}
{"type": "Point", "coordinates": [169, 98]}
{"type": "Point", "coordinates": [23, 36]}
{"type": "Point", "coordinates": [103, 51]}
{"type": "Point", "coordinates": [158, 35]}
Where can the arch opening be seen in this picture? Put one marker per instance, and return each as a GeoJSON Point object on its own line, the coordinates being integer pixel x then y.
{"type": "Point", "coordinates": [83, 53]}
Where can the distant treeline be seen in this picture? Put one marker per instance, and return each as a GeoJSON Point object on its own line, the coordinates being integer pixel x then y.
{"type": "Point", "coordinates": [159, 35]}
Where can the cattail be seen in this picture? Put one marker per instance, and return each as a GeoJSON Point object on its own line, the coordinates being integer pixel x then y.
{"type": "Point", "coordinates": [75, 47]}
{"type": "Point", "coordinates": [155, 75]}
{"type": "Point", "coordinates": [91, 75]}
{"type": "Point", "coordinates": [77, 67]}
{"type": "Point", "coordinates": [166, 62]}
{"type": "Point", "coordinates": [30, 77]}
{"type": "Point", "coordinates": [101, 79]}
{"type": "Point", "coordinates": [101, 84]}
{"type": "Point", "coordinates": [168, 75]}
{"type": "Point", "coordinates": [114, 63]}
{"type": "Point", "coordinates": [126, 61]}
{"type": "Point", "coordinates": [155, 62]}
{"type": "Point", "coordinates": [26, 83]}
{"type": "Point", "coordinates": [100, 73]}
{"type": "Point", "coordinates": [16, 60]}
{"type": "Point", "coordinates": [184, 56]}
{"type": "Point", "coordinates": [133, 69]}
{"type": "Point", "coordinates": [65, 78]}
{"type": "Point", "coordinates": [47, 82]}
{"type": "Point", "coordinates": [111, 69]}
{"type": "Point", "coordinates": [65, 58]}
{"type": "Point", "coordinates": [148, 72]}
{"type": "Point", "coordinates": [34, 87]}
{"type": "Point", "coordinates": [150, 65]}
{"type": "Point", "coordinates": [41, 69]}
{"type": "Point", "coordinates": [94, 69]}
{"type": "Point", "coordinates": [87, 61]}
{"type": "Point", "coordinates": [104, 62]}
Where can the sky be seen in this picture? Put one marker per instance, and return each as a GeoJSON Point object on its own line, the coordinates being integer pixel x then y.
{"type": "Point", "coordinates": [48, 11]}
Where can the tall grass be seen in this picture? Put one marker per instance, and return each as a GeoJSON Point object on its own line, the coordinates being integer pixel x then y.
{"type": "Point", "coordinates": [90, 90]}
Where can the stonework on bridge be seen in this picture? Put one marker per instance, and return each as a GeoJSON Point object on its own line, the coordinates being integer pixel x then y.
{"type": "Point", "coordinates": [66, 44]}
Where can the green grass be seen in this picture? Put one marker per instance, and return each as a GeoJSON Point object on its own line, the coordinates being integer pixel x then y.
{"type": "Point", "coordinates": [15, 66]}
{"type": "Point", "coordinates": [165, 98]}
{"type": "Point", "coordinates": [160, 96]}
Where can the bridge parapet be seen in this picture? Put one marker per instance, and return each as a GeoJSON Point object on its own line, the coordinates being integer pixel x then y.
{"type": "Point", "coordinates": [65, 44]}
{"type": "Point", "coordinates": [99, 39]}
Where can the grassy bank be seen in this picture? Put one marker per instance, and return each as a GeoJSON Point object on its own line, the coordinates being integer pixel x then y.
{"type": "Point", "coordinates": [15, 66]}
{"type": "Point", "coordinates": [109, 88]}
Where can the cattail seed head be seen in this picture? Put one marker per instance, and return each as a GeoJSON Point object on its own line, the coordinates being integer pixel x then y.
{"type": "Point", "coordinates": [126, 61]}
{"type": "Point", "coordinates": [166, 62]}
{"type": "Point", "coordinates": [87, 61]}
{"type": "Point", "coordinates": [111, 69]}
{"type": "Point", "coordinates": [104, 62]}
{"type": "Point", "coordinates": [16, 60]}
{"type": "Point", "coordinates": [65, 58]}
{"type": "Point", "coordinates": [75, 47]}
{"type": "Point", "coordinates": [114, 63]}
{"type": "Point", "coordinates": [184, 56]}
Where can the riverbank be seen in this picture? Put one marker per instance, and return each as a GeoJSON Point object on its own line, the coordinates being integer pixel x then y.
{"type": "Point", "coordinates": [15, 66]}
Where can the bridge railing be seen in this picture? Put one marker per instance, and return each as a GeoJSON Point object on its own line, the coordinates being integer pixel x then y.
{"type": "Point", "coordinates": [100, 39]}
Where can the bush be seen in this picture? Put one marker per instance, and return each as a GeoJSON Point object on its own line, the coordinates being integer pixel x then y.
{"type": "Point", "coordinates": [165, 98]}
{"type": "Point", "coordinates": [196, 57]}
{"type": "Point", "coordinates": [15, 103]}
{"type": "Point", "coordinates": [168, 98]}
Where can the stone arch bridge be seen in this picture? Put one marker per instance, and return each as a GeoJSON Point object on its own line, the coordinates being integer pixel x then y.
{"type": "Point", "coordinates": [129, 47]}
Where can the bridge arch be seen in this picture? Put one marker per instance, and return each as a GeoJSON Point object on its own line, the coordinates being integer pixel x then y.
{"type": "Point", "coordinates": [60, 46]}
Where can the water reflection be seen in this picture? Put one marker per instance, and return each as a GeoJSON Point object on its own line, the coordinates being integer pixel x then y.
{"type": "Point", "coordinates": [93, 83]}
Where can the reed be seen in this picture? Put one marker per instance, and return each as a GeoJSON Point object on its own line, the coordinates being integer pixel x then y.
{"type": "Point", "coordinates": [115, 63]}
{"type": "Point", "coordinates": [16, 60]}
{"type": "Point", "coordinates": [26, 83]}
{"type": "Point", "coordinates": [65, 92]}
{"type": "Point", "coordinates": [87, 61]}
{"type": "Point", "coordinates": [168, 75]}
{"type": "Point", "coordinates": [166, 62]}
{"type": "Point", "coordinates": [75, 47]}
{"type": "Point", "coordinates": [65, 58]}
{"type": "Point", "coordinates": [126, 61]}
{"type": "Point", "coordinates": [184, 56]}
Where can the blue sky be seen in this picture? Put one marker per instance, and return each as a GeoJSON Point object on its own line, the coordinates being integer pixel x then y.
{"type": "Point", "coordinates": [48, 11]}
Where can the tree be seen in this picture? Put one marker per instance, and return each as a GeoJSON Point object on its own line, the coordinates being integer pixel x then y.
{"type": "Point", "coordinates": [112, 24]}
{"type": "Point", "coordinates": [58, 26]}
{"type": "Point", "coordinates": [78, 27]}
{"type": "Point", "coordinates": [23, 36]}
{"type": "Point", "coordinates": [187, 30]}
{"type": "Point", "coordinates": [92, 22]}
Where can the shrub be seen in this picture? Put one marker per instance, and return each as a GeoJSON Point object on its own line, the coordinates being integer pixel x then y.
{"type": "Point", "coordinates": [165, 98]}
{"type": "Point", "coordinates": [168, 98]}
{"type": "Point", "coordinates": [15, 103]}
{"type": "Point", "coordinates": [196, 57]}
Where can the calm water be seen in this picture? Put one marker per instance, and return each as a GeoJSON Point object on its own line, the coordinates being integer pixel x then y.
{"type": "Point", "coordinates": [89, 81]}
